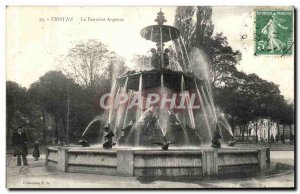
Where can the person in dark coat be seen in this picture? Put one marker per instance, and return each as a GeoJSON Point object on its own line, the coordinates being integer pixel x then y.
{"type": "Point", "coordinates": [272, 138]}
{"type": "Point", "coordinates": [36, 151]}
{"type": "Point", "coordinates": [19, 142]}
{"type": "Point", "coordinates": [276, 137]}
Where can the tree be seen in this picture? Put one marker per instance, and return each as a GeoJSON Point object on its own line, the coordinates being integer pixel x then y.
{"type": "Point", "coordinates": [16, 98]}
{"type": "Point", "coordinates": [248, 98]}
{"type": "Point", "coordinates": [195, 25]}
{"type": "Point", "coordinates": [85, 61]}
{"type": "Point", "coordinates": [223, 59]}
{"type": "Point", "coordinates": [290, 119]}
{"type": "Point", "coordinates": [184, 22]}
{"type": "Point", "coordinates": [16, 101]}
{"type": "Point", "coordinates": [204, 26]}
{"type": "Point", "coordinates": [51, 94]}
{"type": "Point", "coordinates": [142, 61]}
{"type": "Point", "coordinates": [220, 57]}
{"type": "Point", "coordinates": [287, 118]}
{"type": "Point", "coordinates": [244, 98]}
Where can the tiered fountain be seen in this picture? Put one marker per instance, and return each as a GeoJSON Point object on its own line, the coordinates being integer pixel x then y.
{"type": "Point", "coordinates": [165, 125]}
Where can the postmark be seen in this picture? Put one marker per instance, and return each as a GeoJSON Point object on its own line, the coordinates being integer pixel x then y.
{"type": "Point", "coordinates": [274, 32]}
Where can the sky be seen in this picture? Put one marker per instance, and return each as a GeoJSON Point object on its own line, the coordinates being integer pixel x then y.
{"type": "Point", "coordinates": [33, 45]}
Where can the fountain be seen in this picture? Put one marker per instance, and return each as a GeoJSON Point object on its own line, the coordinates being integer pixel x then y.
{"type": "Point", "coordinates": [163, 121]}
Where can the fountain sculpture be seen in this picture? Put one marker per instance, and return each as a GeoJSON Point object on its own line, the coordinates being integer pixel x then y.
{"type": "Point", "coordinates": [170, 80]}
{"type": "Point", "coordinates": [160, 122]}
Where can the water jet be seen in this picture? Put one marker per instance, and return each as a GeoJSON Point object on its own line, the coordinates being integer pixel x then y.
{"type": "Point", "coordinates": [183, 133]}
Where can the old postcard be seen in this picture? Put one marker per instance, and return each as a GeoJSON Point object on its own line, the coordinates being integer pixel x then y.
{"type": "Point", "coordinates": [150, 97]}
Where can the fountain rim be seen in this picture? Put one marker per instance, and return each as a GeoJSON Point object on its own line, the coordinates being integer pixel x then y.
{"type": "Point", "coordinates": [183, 150]}
{"type": "Point", "coordinates": [160, 72]}
{"type": "Point", "coordinates": [171, 29]}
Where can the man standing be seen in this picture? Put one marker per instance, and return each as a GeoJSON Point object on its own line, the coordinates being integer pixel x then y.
{"type": "Point", "coordinates": [19, 142]}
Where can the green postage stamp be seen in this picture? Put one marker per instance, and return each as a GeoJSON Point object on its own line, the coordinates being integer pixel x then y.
{"type": "Point", "coordinates": [274, 32]}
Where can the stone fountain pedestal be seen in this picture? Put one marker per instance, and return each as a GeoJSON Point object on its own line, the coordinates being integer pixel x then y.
{"type": "Point", "coordinates": [156, 162]}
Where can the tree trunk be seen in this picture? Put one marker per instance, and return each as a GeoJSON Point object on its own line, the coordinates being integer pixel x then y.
{"type": "Point", "coordinates": [283, 135]}
{"type": "Point", "coordinates": [232, 126]}
{"type": "Point", "coordinates": [8, 135]}
{"type": "Point", "coordinates": [264, 133]}
{"type": "Point", "coordinates": [269, 131]}
{"type": "Point", "coordinates": [290, 132]}
{"type": "Point", "coordinates": [278, 130]}
{"type": "Point", "coordinates": [56, 130]}
{"type": "Point", "coordinates": [248, 131]}
{"type": "Point", "coordinates": [240, 126]}
{"type": "Point", "coordinates": [44, 127]}
{"type": "Point", "coordinates": [256, 128]}
{"type": "Point", "coordinates": [242, 131]}
{"type": "Point", "coordinates": [64, 131]}
{"type": "Point", "coordinates": [233, 129]}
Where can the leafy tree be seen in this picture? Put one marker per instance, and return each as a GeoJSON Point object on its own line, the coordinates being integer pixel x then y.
{"type": "Point", "coordinates": [244, 98]}
{"type": "Point", "coordinates": [248, 98]}
{"type": "Point", "coordinates": [16, 104]}
{"type": "Point", "coordinates": [204, 27]}
{"type": "Point", "coordinates": [223, 59]}
{"type": "Point", "coordinates": [184, 21]}
{"type": "Point", "coordinates": [16, 98]}
{"type": "Point", "coordinates": [51, 94]}
{"type": "Point", "coordinates": [142, 61]}
{"type": "Point", "coordinates": [290, 119]}
{"type": "Point", "coordinates": [85, 61]}
{"type": "Point", "coordinates": [197, 32]}
{"type": "Point", "coordinates": [287, 118]}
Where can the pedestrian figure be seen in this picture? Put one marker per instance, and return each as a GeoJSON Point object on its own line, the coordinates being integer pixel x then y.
{"type": "Point", "coordinates": [36, 151]}
{"type": "Point", "coordinates": [282, 138]}
{"type": "Point", "coordinates": [276, 137]}
{"type": "Point", "coordinates": [272, 138]}
{"type": "Point", "coordinates": [19, 142]}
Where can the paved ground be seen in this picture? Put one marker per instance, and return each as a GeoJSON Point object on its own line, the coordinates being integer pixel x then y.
{"type": "Point", "coordinates": [36, 176]}
{"type": "Point", "coordinates": [275, 146]}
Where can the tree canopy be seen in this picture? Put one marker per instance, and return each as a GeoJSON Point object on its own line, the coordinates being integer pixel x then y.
{"type": "Point", "coordinates": [243, 97]}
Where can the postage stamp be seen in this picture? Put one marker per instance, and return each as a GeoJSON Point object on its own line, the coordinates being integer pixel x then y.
{"type": "Point", "coordinates": [274, 32]}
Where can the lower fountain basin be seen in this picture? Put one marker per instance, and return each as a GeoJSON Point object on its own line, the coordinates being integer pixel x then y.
{"type": "Point", "coordinates": [156, 162]}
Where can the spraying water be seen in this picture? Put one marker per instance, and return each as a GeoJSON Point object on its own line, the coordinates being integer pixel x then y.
{"type": "Point", "coordinates": [127, 108]}
{"type": "Point", "coordinates": [122, 107]}
{"type": "Point", "coordinates": [204, 113]}
{"type": "Point", "coordinates": [181, 52]}
{"type": "Point", "coordinates": [154, 123]}
{"type": "Point", "coordinates": [201, 67]}
{"type": "Point", "coordinates": [97, 118]}
{"type": "Point", "coordinates": [162, 115]}
{"type": "Point", "coordinates": [114, 87]}
{"type": "Point", "coordinates": [187, 56]}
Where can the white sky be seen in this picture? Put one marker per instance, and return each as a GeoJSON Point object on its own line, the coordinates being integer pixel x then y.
{"type": "Point", "coordinates": [33, 46]}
